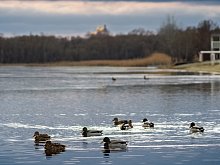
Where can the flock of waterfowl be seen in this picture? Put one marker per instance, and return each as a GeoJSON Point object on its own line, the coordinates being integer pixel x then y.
{"type": "Point", "coordinates": [50, 148]}
{"type": "Point", "coordinates": [55, 148]}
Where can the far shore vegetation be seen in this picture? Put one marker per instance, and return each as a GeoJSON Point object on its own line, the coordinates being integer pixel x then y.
{"type": "Point", "coordinates": [156, 59]}
{"type": "Point", "coordinates": [170, 46]}
{"type": "Point", "coordinates": [159, 60]}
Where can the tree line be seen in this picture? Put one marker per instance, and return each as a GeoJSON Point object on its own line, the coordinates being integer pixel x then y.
{"type": "Point", "coordinates": [181, 44]}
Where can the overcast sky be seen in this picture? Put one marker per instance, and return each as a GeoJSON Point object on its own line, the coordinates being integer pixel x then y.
{"type": "Point", "coordinates": [77, 17]}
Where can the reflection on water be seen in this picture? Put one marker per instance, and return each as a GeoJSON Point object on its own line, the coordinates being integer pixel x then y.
{"type": "Point", "coordinates": [61, 101]}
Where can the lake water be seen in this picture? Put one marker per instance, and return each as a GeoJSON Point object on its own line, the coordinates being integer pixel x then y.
{"type": "Point", "coordinates": [60, 101]}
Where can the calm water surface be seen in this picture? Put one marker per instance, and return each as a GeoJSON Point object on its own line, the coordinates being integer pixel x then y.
{"type": "Point", "coordinates": [61, 101]}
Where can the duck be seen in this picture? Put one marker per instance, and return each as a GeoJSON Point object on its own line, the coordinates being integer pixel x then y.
{"type": "Point", "coordinates": [41, 137]}
{"type": "Point", "coordinates": [113, 79]}
{"type": "Point", "coordinates": [87, 133]}
{"type": "Point", "coordinates": [194, 128]}
{"type": "Point", "coordinates": [114, 144]}
{"type": "Point", "coordinates": [53, 148]}
{"type": "Point", "coordinates": [126, 125]}
{"type": "Point", "coordinates": [146, 123]}
{"type": "Point", "coordinates": [116, 121]}
{"type": "Point", "coordinates": [145, 77]}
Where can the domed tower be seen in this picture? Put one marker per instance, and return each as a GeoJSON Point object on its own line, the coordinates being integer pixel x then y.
{"type": "Point", "coordinates": [101, 30]}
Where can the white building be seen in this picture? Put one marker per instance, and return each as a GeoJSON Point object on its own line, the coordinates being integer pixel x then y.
{"type": "Point", "coordinates": [214, 53]}
{"type": "Point", "coordinates": [100, 30]}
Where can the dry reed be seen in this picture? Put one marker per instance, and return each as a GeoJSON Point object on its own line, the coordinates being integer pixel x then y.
{"type": "Point", "coordinates": [152, 60]}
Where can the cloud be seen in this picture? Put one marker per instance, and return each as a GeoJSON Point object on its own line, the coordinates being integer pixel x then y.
{"type": "Point", "coordinates": [81, 16]}
{"type": "Point", "coordinates": [104, 7]}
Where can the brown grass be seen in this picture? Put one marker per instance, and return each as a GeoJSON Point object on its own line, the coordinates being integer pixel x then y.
{"type": "Point", "coordinates": [154, 59]}
{"type": "Point", "coordinates": [201, 67]}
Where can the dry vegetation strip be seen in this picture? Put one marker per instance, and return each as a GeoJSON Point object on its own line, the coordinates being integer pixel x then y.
{"type": "Point", "coordinates": [154, 59]}
{"type": "Point", "coordinates": [158, 59]}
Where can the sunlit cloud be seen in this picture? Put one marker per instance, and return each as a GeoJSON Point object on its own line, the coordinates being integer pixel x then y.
{"type": "Point", "coordinates": [81, 16]}
{"type": "Point", "coordinates": [107, 7]}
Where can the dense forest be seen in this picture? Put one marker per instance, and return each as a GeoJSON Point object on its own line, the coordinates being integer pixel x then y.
{"type": "Point", "coordinates": [181, 44]}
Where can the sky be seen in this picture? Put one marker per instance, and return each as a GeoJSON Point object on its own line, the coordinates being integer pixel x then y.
{"type": "Point", "coordinates": [78, 17]}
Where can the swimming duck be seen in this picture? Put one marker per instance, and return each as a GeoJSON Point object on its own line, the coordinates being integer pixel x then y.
{"type": "Point", "coordinates": [126, 125]}
{"type": "Point", "coordinates": [41, 137]}
{"type": "Point", "coordinates": [113, 79]}
{"type": "Point", "coordinates": [114, 144]}
{"type": "Point", "coordinates": [194, 128]}
{"type": "Point", "coordinates": [145, 77]}
{"type": "Point", "coordinates": [87, 133]}
{"type": "Point", "coordinates": [53, 148]}
{"type": "Point", "coordinates": [118, 122]}
{"type": "Point", "coordinates": [146, 123]}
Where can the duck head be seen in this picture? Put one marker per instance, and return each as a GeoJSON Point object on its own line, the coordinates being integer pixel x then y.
{"type": "Point", "coordinates": [48, 145]}
{"type": "Point", "coordinates": [106, 141]}
{"type": "Point", "coordinates": [36, 134]}
{"type": "Point", "coordinates": [85, 129]}
{"type": "Point", "coordinates": [115, 119]}
{"type": "Point", "coordinates": [84, 132]}
{"type": "Point", "coordinates": [192, 124]}
{"type": "Point", "coordinates": [145, 120]}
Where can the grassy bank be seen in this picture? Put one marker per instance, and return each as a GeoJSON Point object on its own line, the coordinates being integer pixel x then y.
{"type": "Point", "coordinates": [201, 67]}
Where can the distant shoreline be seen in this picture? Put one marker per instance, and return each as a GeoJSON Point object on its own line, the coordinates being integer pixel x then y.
{"type": "Point", "coordinates": [204, 67]}
{"type": "Point", "coordinates": [96, 63]}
